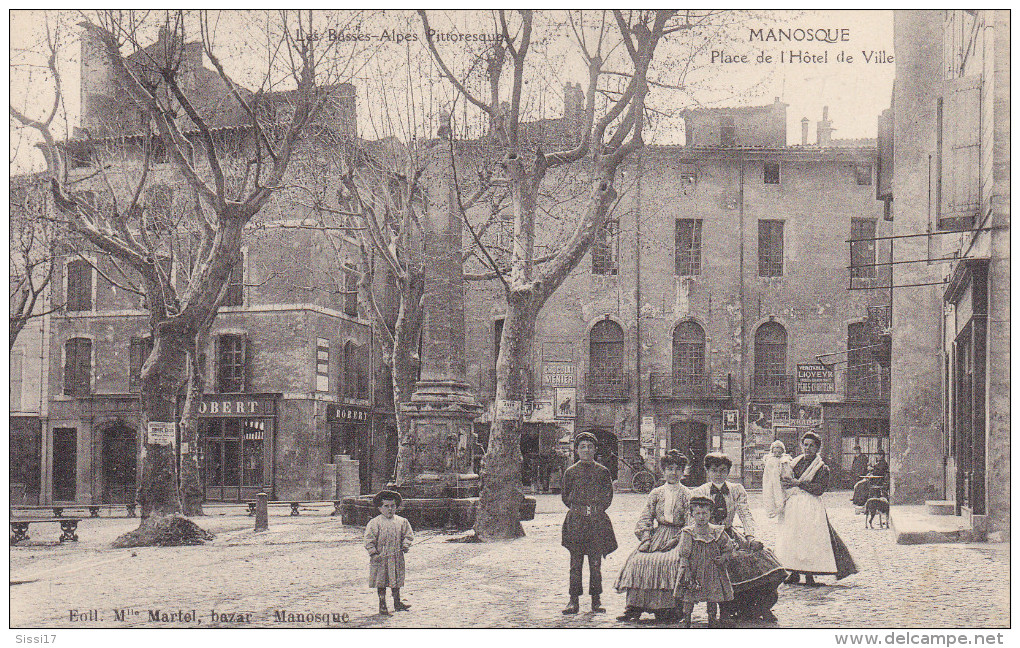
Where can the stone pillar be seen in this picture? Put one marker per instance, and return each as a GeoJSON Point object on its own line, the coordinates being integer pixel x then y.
{"type": "Point", "coordinates": [916, 452]}
{"type": "Point", "coordinates": [436, 453]}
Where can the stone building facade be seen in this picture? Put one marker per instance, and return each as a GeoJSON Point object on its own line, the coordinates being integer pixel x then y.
{"type": "Point", "coordinates": [726, 275]}
{"type": "Point", "coordinates": [949, 192]}
{"type": "Point", "coordinates": [294, 386]}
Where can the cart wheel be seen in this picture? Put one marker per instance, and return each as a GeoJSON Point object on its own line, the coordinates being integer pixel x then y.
{"type": "Point", "coordinates": [644, 481]}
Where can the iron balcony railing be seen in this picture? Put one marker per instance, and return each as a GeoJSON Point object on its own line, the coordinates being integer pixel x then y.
{"type": "Point", "coordinates": [669, 385]}
{"type": "Point", "coordinates": [773, 386]}
{"type": "Point", "coordinates": [607, 385]}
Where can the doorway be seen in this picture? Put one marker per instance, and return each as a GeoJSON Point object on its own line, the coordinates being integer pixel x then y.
{"type": "Point", "coordinates": [690, 438]}
{"type": "Point", "coordinates": [65, 464]}
{"type": "Point", "coordinates": [120, 457]}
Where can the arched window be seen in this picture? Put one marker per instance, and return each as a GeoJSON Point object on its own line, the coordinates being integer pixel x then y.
{"type": "Point", "coordinates": [770, 377]}
{"type": "Point", "coordinates": [688, 356]}
{"type": "Point", "coordinates": [605, 357]}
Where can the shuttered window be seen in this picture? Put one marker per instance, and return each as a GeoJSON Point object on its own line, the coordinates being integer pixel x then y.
{"type": "Point", "coordinates": [78, 367]}
{"type": "Point", "coordinates": [960, 155]}
{"type": "Point", "coordinates": [79, 285]}
{"type": "Point", "coordinates": [770, 248]}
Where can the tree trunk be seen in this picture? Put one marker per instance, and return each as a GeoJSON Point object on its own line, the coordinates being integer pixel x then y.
{"type": "Point", "coordinates": [406, 366]}
{"type": "Point", "coordinates": [191, 485]}
{"type": "Point", "coordinates": [502, 496]}
{"type": "Point", "coordinates": [162, 377]}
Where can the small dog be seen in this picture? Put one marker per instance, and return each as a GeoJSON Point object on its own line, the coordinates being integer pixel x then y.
{"type": "Point", "coordinates": [876, 506]}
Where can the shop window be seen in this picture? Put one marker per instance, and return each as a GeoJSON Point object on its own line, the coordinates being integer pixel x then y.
{"type": "Point", "coordinates": [770, 378]}
{"type": "Point", "coordinates": [688, 246]}
{"type": "Point", "coordinates": [871, 435]}
{"type": "Point", "coordinates": [771, 173]}
{"type": "Point", "coordinates": [233, 452]}
{"type": "Point", "coordinates": [770, 248]}
{"type": "Point", "coordinates": [688, 356]}
{"type": "Point", "coordinates": [862, 250]}
{"type": "Point", "coordinates": [139, 352]}
{"type": "Point", "coordinates": [79, 285]}
{"type": "Point", "coordinates": [605, 253]}
{"type": "Point", "coordinates": [232, 357]}
{"type": "Point", "coordinates": [78, 367]}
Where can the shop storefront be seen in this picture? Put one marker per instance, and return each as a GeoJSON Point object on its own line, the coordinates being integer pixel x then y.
{"type": "Point", "coordinates": [350, 435]}
{"type": "Point", "coordinates": [237, 434]}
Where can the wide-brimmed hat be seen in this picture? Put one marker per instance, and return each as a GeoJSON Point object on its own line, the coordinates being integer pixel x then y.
{"type": "Point", "coordinates": [386, 495]}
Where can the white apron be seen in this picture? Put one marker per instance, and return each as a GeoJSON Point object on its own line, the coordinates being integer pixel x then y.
{"type": "Point", "coordinates": [804, 544]}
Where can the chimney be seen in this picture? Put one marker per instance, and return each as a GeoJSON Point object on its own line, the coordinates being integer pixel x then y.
{"type": "Point", "coordinates": [804, 130]}
{"type": "Point", "coordinates": [825, 128]}
{"type": "Point", "coordinates": [573, 108]}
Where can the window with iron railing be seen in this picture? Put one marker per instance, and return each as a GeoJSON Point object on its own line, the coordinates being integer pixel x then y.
{"type": "Point", "coordinates": [770, 377]}
{"type": "Point", "coordinates": [606, 374]}
{"type": "Point", "coordinates": [688, 357]}
{"type": "Point", "coordinates": [688, 246]}
{"type": "Point", "coordinates": [770, 248]}
{"type": "Point", "coordinates": [605, 251]}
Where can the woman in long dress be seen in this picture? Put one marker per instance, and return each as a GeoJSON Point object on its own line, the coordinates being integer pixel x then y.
{"type": "Point", "coordinates": [807, 543]}
{"type": "Point", "coordinates": [649, 575]}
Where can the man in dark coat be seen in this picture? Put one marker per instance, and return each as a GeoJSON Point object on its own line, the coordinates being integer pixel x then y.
{"type": "Point", "coordinates": [587, 490]}
{"type": "Point", "coordinates": [859, 467]}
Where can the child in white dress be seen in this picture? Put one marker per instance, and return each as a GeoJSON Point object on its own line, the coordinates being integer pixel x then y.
{"type": "Point", "coordinates": [777, 465]}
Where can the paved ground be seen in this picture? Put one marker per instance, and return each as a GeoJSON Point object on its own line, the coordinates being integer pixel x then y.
{"type": "Point", "coordinates": [311, 565]}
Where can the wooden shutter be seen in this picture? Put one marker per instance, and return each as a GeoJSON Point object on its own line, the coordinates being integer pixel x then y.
{"type": "Point", "coordinates": [70, 362]}
{"type": "Point", "coordinates": [961, 157]}
{"type": "Point", "coordinates": [215, 368]}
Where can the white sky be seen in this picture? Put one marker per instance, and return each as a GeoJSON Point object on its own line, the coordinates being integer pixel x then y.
{"type": "Point", "coordinates": [855, 92]}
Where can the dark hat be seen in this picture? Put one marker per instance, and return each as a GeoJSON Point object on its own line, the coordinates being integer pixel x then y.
{"type": "Point", "coordinates": [713, 459]}
{"type": "Point", "coordinates": [701, 500]}
{"type": "Point", "coordinates": [384, 495]}
{"type": "Point", "coordinates": [675, 458]}
{"type": "Point", "coordinates": [585, 436]}
{"type": "Point", "coordinates": [811, 435]}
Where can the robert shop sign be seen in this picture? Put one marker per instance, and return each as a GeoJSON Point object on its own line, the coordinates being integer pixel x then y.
{"type": "Point", "coordinates": [347, 413]}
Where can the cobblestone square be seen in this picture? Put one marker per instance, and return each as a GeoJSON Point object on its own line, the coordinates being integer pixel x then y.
{"type": "Point", "coordinates": [310, 571]}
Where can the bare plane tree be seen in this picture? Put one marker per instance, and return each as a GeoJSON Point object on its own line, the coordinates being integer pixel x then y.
{"type": "Point", "coordinates": [227, 171]}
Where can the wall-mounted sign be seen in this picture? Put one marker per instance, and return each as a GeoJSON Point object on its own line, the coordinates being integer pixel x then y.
{"type": "Point", "coordinates": [780, 414]}
{"type": "Point", "coordinates": [816, 379]}
{"type": "Point", "coordinates": [349, 413]}
{"type": "Point", "coordinates": [238, 405]}
{"type": "Point", "coordinates": [647, 430]}
{"type": "Point", "coordinates": [806, 416]}
{"type": "Point", "coordinates": [731, 420]}
{"type": "Point", "coordinates": [162, 433]}
{"type": "Point", "coordinates": [508, 410]}
{"type": "Point", "coordinates": [566, 402]}
{"type": "Point", "coordinates": [557, 374]}
{"type": "Point", "coordinates": [538, 412]}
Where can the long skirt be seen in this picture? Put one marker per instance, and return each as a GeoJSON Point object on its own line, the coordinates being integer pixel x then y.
{"type": "Point", "coordinates": [807, 543]}
{"type": "Point", "coordinates": [649, 578]}
{"type": "Point", "coordinates": [755, 576]}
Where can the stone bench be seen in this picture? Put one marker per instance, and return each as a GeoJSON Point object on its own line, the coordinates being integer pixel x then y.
{"type": "Point", "coordinates": [294, 504]}
{"type": "Point", "coordinates": [68, 528]}
{"type": "Point", "coordinates": [93, 509]}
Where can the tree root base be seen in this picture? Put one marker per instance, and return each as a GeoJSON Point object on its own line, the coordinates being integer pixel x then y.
{"type": "Point", "coordinates": [164, 531]}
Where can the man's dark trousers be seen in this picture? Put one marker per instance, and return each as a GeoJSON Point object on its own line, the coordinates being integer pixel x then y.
{"type": "Point", "coordinates": [594, 569]}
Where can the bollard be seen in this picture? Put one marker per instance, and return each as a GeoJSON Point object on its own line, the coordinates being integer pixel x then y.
{"type": "Point", "coordinates": [262, 512]}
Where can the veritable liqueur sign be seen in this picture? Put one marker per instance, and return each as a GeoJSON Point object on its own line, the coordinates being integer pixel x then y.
{"type": "Point", "coordinates": [815, 379]}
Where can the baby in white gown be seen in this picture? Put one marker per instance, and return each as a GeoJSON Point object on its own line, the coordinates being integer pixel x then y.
{"type": "Point", "coordinates": [777, 465]}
